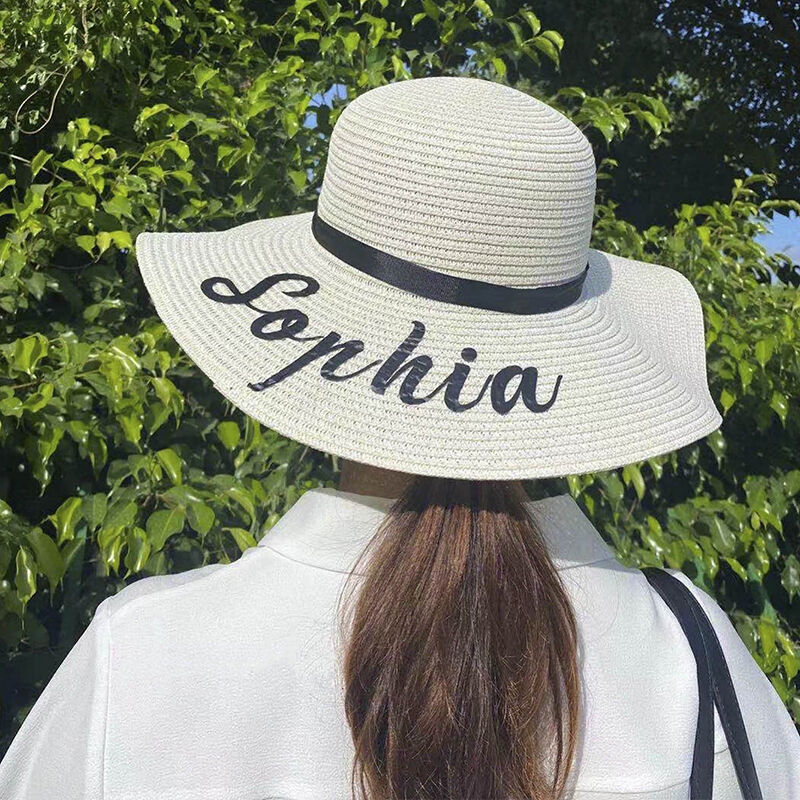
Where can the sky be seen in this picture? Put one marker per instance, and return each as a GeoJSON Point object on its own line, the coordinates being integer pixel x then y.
{"type": "Point", "coordinates": [785, 236]}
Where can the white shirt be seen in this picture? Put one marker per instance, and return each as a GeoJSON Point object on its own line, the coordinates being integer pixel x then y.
{"type": "Point", "coordinates": [222, 683]}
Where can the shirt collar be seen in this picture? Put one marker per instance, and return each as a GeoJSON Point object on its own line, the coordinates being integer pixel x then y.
{"type": "Point", "coordinates": [329, 529]}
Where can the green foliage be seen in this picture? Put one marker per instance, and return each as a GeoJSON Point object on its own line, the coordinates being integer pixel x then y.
{"type": "Point", "coordinates": [725, 510]}
{"type": "Point", "coordinates": [120, 460]}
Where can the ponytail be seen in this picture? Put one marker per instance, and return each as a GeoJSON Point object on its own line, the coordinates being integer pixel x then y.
{"type": "Point", "coordinates": [460, 669]}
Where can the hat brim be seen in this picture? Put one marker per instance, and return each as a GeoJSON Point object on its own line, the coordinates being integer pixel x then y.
{"type": "Point", "coordinates": [630, 353]}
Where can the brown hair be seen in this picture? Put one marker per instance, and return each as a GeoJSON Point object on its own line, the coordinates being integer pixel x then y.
{"type": "Point", "coordinates": [461, 669]}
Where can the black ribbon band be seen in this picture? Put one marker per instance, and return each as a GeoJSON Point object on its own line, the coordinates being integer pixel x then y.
{"type": "Point", "coordinates": [434, 285]}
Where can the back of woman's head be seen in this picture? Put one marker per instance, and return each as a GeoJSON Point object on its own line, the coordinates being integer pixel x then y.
{"type": "Point", "coordinates": [460, 669]}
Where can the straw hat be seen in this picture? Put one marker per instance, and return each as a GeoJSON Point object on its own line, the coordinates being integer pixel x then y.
{"type": "Point", "coordinates": [441, 312]}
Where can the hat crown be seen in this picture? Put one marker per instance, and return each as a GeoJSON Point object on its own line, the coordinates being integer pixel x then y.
{"type": "Point", "coordinates": [467, 177]}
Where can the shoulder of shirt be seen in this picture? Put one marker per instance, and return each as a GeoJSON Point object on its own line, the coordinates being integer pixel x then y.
{"type": "Point", "coordinates": [717, 616]}
{"type": "Point", "coordinates": [162, 589]}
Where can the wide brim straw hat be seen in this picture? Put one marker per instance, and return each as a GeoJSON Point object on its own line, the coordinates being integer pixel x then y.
{"type": "Point", "coordinates": [441, 313]}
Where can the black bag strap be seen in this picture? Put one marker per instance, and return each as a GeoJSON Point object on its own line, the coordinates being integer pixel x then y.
{"type": "Point", "coordinates": [713, 680]}
{"type": "Point", "coordinates": [701, 782]}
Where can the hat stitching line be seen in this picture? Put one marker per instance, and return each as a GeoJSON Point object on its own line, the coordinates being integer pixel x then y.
{"type": "Point", "coordinates": [428, 155]}
{"type": "Point", "coordinates": [513, 101]}
{"type": "Point", "coordinates": [350, 206]}
{"type": "Point", "coordinates": [548, 138]}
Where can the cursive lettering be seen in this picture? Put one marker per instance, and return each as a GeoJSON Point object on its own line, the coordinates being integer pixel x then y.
{"type": "Point", "coordinates": [505, 387]}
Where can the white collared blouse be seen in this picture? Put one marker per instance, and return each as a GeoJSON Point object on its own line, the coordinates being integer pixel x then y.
{"type": "Point", "coordinates": [222, 683]}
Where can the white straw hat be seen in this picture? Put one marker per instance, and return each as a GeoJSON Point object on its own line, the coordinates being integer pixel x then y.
{"type": "Point", "coordinates": [437, 315]}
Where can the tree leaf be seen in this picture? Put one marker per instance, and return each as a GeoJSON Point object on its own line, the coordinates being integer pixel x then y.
{"type": "Point", "coordinates": [138, 550]}
{"type": "Point", "coordinates": [780, 405]}
{"type": "Point", "coordinates": [84, 199]}
{"type": "Point", "coordinates": [28, 351]}
{"type": "Point", "coordinates": [547, 47]}
{"type": "Point", "coordinates": [244, 539]}
{"type": "Point", "coordinates": [163, 524]}
{"type": "Point", "coordinates": [766, 633]}
{"type": "Point", "coordinates": [631, 474]}
{"type": "Point", "coordinates": [25, 575]}
{"type": "Point", "coordinates": [532, 20]}
{"type": "Point", "coordinates": [790, 577]}
{"type": "Point", "coordinates": [763, 350]}
{"type": "Point", "coordinates": [172, 464]}
{"type": "Point", "coordinates": [726, 399]}
{"type": "Point", "coordinates": [120, 514]}
{"type": "Point", "coordinates": [48, 557]}
{"type": "Point", "coordinates": [229, 434]}
{"type": "Point", "coordinates": [38, 161]}
{"type": "Point", "coordinates": [150, 111]}
{"type": "Point", "coordinates": [94, 509]}
{"type": "Point", "coordinates": [484, 8]}
{"type": "Point", "coordinates": [722, 537]}
{"type": "Point", "coordinates": [244, 498]}
{"type": "Point", "coordinates": [203, 74]}
{"type": "Point", "coordinates": [66, 517]}
{"type": "Point", "coordinates": [201, 517]}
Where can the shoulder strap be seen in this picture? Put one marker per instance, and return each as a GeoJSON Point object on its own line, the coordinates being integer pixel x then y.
{"type": "Point", "coordinates": [701, 782]}
{"type": "Point", "coordinates": [714, 679]}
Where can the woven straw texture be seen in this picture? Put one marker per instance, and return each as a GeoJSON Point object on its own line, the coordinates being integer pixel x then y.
{"type": "Point", "coordinates": [463, 176]}
{"type": "Point", "coordinates": [475, 180]}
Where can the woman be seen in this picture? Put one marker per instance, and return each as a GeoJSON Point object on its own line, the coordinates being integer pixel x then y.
{"type": "Point", "coordinates": [442, 315]}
